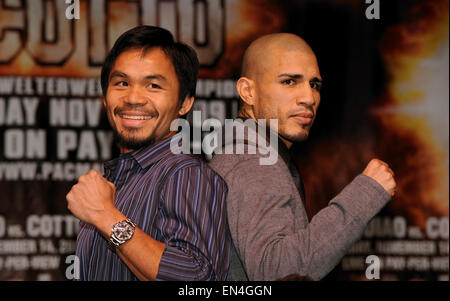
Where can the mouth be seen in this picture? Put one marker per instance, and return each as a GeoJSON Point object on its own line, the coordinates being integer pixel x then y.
{"type": "Point", "coordinates": [135, 119]}
{"type": "Point", "coordinates": [304, 118]}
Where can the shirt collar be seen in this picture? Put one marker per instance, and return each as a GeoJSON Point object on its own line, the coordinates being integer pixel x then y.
{"type": "Point", "coordinates": [152, 153]}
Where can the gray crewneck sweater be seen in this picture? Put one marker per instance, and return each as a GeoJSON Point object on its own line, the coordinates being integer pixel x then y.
{"type": "Point", "coordinates": [269, 226]}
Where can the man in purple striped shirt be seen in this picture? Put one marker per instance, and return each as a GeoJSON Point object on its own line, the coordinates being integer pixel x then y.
{"type": "Point", "coordinates": [155, 215]}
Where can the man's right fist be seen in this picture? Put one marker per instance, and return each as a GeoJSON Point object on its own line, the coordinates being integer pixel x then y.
{"type": "Point", "coordinates": [380, 172]}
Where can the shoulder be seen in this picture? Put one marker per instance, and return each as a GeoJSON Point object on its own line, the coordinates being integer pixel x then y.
{"type": "Point", "coordinates": [180, 161]}
{"type": "Point", "coordinates": [189, 166]}
{"type": "Point", "coordinates": [245, 173]}
{"type": "Point", "coordinates": [247, 163]}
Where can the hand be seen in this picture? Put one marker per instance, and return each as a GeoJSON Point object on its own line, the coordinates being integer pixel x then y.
{"type": "Point", "coordinates": [380, 172]}
{"type": "Point", "coordinates": [92, 198]}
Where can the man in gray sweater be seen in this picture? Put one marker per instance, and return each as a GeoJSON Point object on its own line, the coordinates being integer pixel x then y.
{"type": "Point", "coordinates": [272, 235]}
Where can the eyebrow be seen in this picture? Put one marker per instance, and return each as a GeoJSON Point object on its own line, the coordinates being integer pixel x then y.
{"type": "Point", "coordinates": [147, 77]}
{"type": "Point", "coordinates": [299, 76]}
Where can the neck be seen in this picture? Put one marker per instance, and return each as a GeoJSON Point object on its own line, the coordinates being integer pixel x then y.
{"type": "Point", "coordinates": [244, 114]}
{"type": "Point", "coordinates": [124, 150]}
{"type": "Point", "coordinates": [286, 142]}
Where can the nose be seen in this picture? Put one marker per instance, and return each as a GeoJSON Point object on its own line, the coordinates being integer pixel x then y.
{"type": "Point", "coordinates": [135, 96]}
{"type": "Point", "coordinates": [307, 96]}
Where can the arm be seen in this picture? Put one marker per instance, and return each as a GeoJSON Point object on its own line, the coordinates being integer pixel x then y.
{"type": "Point", "coordinates": [189, 236]}
{"type": "Point", "coordinates": [198, 246]}
{"type": "Point", "coordinates": [141, 253]}
{"type": "Point", "coordinates": [262, 222]}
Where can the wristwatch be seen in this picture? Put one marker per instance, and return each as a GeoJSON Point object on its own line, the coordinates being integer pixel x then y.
{"type": "Point", "coordinates": [121, 233]}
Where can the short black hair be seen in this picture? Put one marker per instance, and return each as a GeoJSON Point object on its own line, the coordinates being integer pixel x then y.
{"type": "Point", "coordinates": [145, 37]}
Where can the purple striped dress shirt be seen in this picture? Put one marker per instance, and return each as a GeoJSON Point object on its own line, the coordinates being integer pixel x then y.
{"type": "Point", "coordinates": [176, 199]}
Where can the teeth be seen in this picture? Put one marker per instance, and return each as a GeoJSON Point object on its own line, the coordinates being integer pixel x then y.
{"type": "Point", "coordinates": [137, 117]}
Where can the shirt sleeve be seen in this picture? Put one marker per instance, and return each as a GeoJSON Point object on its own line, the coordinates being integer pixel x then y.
{"type": "Point", "coordinates": [192, 222]}
{"type": "Point", "coordinates": [262, 221]}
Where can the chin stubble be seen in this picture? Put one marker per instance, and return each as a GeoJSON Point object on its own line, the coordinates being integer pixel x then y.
{"type": "Point", "coordinates": [130, 141]}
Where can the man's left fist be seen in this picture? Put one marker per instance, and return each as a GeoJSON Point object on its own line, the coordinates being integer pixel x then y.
{"type": "Point", "coordinates": [92, 198]}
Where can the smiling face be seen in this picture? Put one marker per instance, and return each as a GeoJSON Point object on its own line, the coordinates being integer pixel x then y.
{"type": "Point", "coordinates": [142, 98]}
{"type": "Point", "coordinates": [288, 89]}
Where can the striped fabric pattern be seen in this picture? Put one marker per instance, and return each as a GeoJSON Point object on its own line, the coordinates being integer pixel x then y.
{"type": "Point", "coordinates": [176, 199]}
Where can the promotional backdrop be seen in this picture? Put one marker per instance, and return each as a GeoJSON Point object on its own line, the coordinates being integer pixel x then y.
{"type": "Point", "coordinates": [385, 95]}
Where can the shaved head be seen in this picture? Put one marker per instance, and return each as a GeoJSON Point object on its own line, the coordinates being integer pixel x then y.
{"type": "Point", "coordinates": [260, 54]}
{"type": "Point", "coordinates": [281, 80]}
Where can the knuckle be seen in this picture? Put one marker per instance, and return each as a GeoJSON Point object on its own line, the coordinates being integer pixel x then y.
{"type": "Point", "coordinates": [93, 173]}
{"type": "Point", "coordinates": [75, 189]}
{"type": "Point", "coordinates": [88, 175]}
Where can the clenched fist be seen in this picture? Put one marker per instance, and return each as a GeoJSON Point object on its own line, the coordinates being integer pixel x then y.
{"type": "Point", "coordinates": [380, 172]}
{"type": "Point", "coordinates": [92, 198]}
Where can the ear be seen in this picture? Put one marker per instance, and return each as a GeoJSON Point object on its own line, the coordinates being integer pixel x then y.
{"type": "Point", "coordinates": [103, 98]}
{"type": "Point", "coordinates": [186, 105]}
{"type": "Point", "coordinates": [246, 90]}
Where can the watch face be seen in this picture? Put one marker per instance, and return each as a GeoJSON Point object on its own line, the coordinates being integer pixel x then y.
{"type": "Point", "coordinates": [123, 231]}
